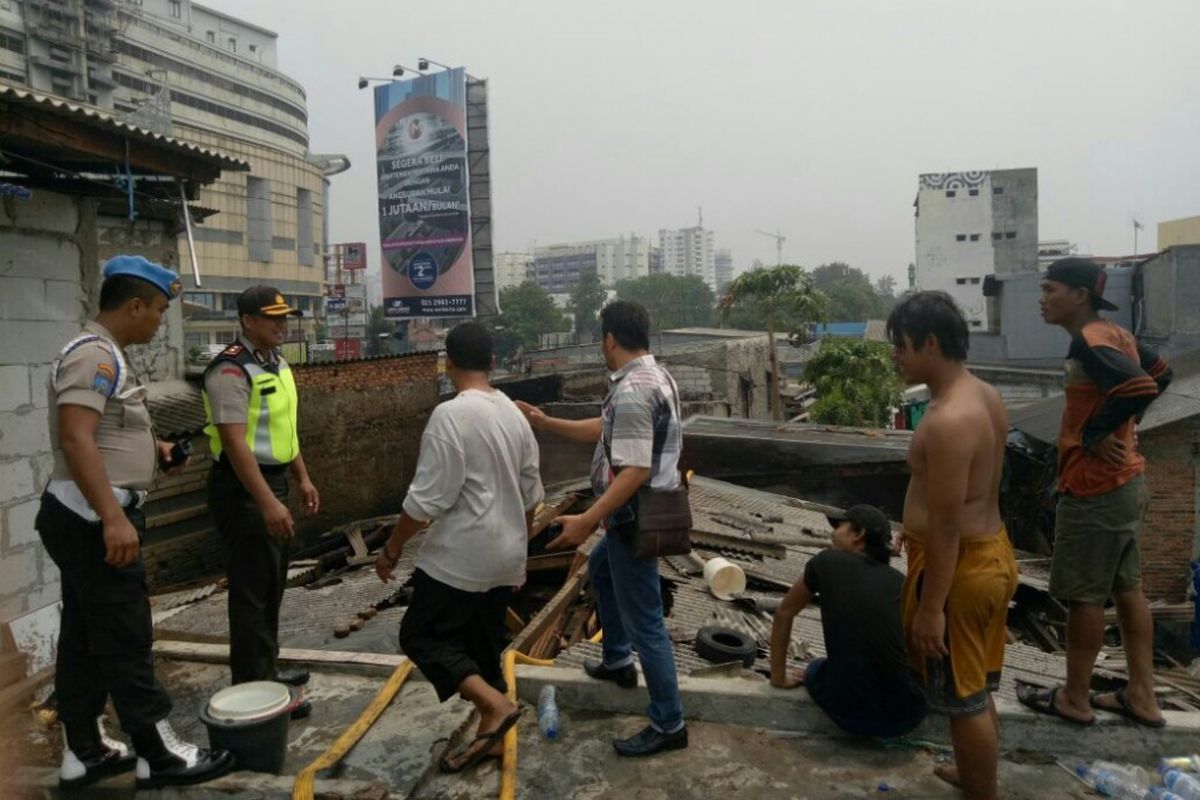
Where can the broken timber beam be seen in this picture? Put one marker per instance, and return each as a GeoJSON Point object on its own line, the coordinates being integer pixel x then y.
{"type": "Point", "coordinates": [367, 663]}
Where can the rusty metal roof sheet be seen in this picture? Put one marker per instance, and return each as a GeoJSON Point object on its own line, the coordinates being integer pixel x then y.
{"type": "Point", "coordinates": [87, 115]}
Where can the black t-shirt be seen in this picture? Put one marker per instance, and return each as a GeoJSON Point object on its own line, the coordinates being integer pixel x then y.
{"type": "Point", "coordinates": [867, 675]}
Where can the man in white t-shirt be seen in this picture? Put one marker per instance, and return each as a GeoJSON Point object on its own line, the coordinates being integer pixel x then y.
{"type": "Point", "coordinates": [476, 487]}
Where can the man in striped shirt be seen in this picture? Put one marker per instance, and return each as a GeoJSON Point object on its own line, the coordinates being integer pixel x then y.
{"type": "Point", "coordinates": [638, 441]}
{"type": "Point", "coordinates": [1111, 379]}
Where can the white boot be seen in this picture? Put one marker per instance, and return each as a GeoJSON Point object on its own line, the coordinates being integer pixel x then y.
{"type": "Point", "coordinates": [166, 760]}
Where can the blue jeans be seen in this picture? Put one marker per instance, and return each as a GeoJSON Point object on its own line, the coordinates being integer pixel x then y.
{"type": "Point", "coordinates": [629, 601]}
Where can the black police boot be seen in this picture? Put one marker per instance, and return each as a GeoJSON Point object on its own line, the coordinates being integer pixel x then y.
{"type": "Point", "coordinates": [89, 755]}
{"type": "Point", "coordinates": [164, 760]}
{"type": "Point", "coordinates": [292, 677]}
{"type": "Point", "coordinates": [625, 677]}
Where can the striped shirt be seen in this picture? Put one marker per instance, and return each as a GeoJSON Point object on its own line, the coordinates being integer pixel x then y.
{"type": "Point", "coordinates": [1111, 379]}
{"type": "Point", "coordinates": [639, 428]}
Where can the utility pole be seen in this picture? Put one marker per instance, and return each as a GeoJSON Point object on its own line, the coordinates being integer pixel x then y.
{"type": "Point", "coordinates": [1137, 226]}
{"type": "Point", "coordinates": [779, 240]}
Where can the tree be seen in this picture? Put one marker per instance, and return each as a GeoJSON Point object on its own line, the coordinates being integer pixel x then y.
{"type": "Point", "coordinates": [885, 287]}
{"type": "Point", "coordinates": [379, 333]}
{"type": "Point", "coordinates": [671, 301]}
{"type": "Point", "coordinates": [786, 299]}
{"type": "Point", "coordinates": [856, 382]}
{"type": "Point", "coordinates": [587, 298]}
{"type": "Point", "coordinates": [527, 312]}
{"type": "Point", "coordinates": [852, 296]}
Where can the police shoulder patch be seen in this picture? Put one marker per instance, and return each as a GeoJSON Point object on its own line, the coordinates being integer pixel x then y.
{"type": "Point", "coordinates": [102, 382]}
{"type": "Point", "coordinates": [233, 349]}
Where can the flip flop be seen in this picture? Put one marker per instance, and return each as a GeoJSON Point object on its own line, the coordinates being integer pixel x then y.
{"type": "Point", "coordinates": [1124, 709]}
{"type": "Point", "coordinates": [483, 753]}
{"type": "Point", "coordinates": [1042, 701]}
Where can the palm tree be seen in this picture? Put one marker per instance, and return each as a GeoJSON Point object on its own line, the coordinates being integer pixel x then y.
{"type": "Point", "coordinates": [786, 299]}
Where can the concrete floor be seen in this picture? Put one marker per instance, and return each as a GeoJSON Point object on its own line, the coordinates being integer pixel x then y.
{"type": "Point", "coordinates": [722, 761]}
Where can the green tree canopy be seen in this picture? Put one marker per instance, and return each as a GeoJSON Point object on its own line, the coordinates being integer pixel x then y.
{"type": "Point", "coordinates": [378, 324]}
{"type": "Point", "coordinates": [779, 299]}
{"type": "Point", "coordinates": [672, 302]}
{"type": "Point", "coordinates": [527, 311]}
{"type": "Point", "coordinates": [856, 382]}
{"type": "Point", "coordinates": [852, 295]}
{"type": "Point", "coordinates": [587, 298]}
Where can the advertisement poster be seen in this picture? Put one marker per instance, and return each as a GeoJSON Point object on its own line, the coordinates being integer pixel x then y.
{"type": "Point", "coordinates": [424, 215]}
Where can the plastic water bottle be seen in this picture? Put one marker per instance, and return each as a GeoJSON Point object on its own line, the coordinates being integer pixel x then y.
{"type": "Point", "coordinates": [1112, 780]}
{"type": "Point", "coordinates": [1161, 793]}
{"type": "Point", "coordinates": [1182, 784]}
{"type": "Point", "coordinates": [548, 713]}
{"type": "Point", "coordinates": [1182, 763]}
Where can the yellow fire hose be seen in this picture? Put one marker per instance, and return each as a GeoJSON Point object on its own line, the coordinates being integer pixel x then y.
{"type": "Point", "coordinates": [303, 788]}
{"type": "Point", "coordinates": [508, 767]}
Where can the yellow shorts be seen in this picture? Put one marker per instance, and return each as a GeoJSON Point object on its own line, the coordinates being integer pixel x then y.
{"type": "Point", "coordinates": [985, 580]}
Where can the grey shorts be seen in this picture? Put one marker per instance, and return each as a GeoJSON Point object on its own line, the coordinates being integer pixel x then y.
{"type": "Point", "coordinates": [1096, 544]}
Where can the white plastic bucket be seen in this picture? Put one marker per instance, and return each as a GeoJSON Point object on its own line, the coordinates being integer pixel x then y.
{"type": "Point", "coordinates": [724, 578]}
{"type": "Point", "coordinates": [249, 702]}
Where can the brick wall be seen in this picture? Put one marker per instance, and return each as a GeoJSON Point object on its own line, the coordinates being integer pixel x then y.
{"type": "Point", "coordinates": [360, 433]}
{"type": "Point", "coordinates": [1170, 532]}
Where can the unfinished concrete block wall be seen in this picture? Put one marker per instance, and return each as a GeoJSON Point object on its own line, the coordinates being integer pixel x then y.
{"type": "Point", "coordinates": [1171, 529]}
{"type": "Point", "coordinates": [360, 432]}
{"type": "Point", "coordinates": [47, 257]}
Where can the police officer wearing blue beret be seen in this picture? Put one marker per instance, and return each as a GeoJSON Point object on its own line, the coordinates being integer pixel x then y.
{"type": "Point", "coordinates": [91, 523]}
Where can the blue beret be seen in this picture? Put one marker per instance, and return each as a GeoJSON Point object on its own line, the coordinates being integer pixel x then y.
{"type": "Point", "coordinates": [163, 279]}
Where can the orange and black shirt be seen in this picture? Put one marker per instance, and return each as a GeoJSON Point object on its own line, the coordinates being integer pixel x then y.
{"type": "Point", "coordinates": [1111, 379]}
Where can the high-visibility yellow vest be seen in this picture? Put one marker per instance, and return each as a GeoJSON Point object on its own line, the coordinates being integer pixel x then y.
{"type": "Point", "coordinates": [271, 416]}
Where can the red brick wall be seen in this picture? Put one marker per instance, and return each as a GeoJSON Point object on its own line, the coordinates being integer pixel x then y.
{"type": "Point", "coordinates": [360, 433]}
{"type": "Point", "coordinates": [1170, 529]}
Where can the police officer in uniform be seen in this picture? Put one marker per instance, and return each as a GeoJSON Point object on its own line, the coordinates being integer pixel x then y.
{"type": "Point", "coordinates": [91, 523]}
{"type": "Point", "coordinates": [250, 401]}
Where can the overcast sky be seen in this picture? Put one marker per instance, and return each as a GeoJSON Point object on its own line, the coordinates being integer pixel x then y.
{"type": "Point", "coordinates": [811, 117]}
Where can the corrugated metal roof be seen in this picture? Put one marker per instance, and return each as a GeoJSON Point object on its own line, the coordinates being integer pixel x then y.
{"type": "Point", "coordinates": [96, 118]}
{"type": "Point", "coordinates": [1181, 400]}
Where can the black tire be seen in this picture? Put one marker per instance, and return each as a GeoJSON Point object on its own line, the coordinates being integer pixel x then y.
{"type": "Point", "coordinates": [724, 645]}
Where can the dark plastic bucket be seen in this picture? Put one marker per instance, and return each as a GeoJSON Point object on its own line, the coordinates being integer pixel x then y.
{"type": "Point", "coordinates": [260, 745]}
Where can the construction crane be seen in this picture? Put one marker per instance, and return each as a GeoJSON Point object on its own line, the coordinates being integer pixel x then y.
{"type": "Point", "coordinates": [779, 240]}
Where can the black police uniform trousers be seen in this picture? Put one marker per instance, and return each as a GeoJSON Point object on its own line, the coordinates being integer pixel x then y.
{"type": "Point", "coordinates": [256, 565]}
{"type": "Point", "coordinates": [106, 634]}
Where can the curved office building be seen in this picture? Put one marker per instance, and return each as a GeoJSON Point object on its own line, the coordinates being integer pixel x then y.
{"type": "Point", "coordinates": [210, 79]}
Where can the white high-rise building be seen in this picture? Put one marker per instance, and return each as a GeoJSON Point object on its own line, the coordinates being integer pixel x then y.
{"type": "Point", "coordinates": [511, 269]}
{"type": "Point", "coordinates": [970, 225]}
{"type": "Point", "coordinates": [689, 251]}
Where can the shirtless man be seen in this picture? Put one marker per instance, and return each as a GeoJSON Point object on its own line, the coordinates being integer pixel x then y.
{"type": "Point", "coordinates": [961, 570]}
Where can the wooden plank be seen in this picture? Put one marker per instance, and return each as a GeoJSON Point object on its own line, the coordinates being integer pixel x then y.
{"type": "Point", "coordinates": [513, 621]}
{"type": "Point", "coordinates": [373, 663]}
{"type": "Point", "coordinates": [552, 561]}
{"type": "Point", "coordinates": [355, 538]}
{"type": "Point", "coordinates": [179, 515]}
{"type": "Point", "coordinates": [13, 667]}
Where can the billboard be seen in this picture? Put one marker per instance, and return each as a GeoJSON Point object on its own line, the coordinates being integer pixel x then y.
{"type": "Point", "coordinates": [424, 212]}
{"type": "Point", "coordinates": [354, 255]}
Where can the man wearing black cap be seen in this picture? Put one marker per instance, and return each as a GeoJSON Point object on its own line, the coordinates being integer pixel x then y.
{"type": "Point", "coordinates": [251, 403]}
{"type": "Point", "coordinates": [864, 683]}
{"type": "Point", "coordinates": [91, 523]}
{"type": "Point", "coordinates": [1111, 380]}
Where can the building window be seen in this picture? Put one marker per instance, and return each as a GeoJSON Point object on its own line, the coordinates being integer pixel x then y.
{"type": "Point", "coordinates": [12, 42]}
{"type": "Point", "coordinates": [195, 341]}
{"type": "Point", "coordinates": [973, 192]}
{"type": "Point", "coordinates": [212, 37]}
{"type": "Point", "coordinates": [961, 281]}
{"type": "Point", "coordinates": [253, 48]}
{"type": "Point", "coordinates": [176, 8]}
{"type": "Point", "coordinates": [950, 193]}
{"type": "Point", "coordinates": [962, 237]}
{"type": "Point", "coordinates": [997, 190]}
{"type": "Point", "coordinates": [974, 280]}
{"type": "Point", "coordinates": [226, 337]}
{"type": "Point", "coordinates": [996, 236]}
{"type": "Point", "coordinates": [258, 219]}
{"type": "Point", "coordinates": [206, 299]}
{"type": "Point", "coordinates": [974, 237]}
{"type": "Point", "coordinates": [304, 228]}
{"type": "Point", "coordinates": [232, 44]}
{"type": "Point", "coordinates": [976, 323]}
{"type": "Point", "coordinates": [1010, 235]}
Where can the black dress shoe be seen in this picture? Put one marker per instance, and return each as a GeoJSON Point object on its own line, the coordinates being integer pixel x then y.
{"type": "Point", "coordinates": [165, 760]}
{"type": "Point", "coordinates": [649, 741]}
{"type": "Point", "coordinates": [625, 677]}
{"type": "Point", "coordinates": [88, 758]}
{"type": "Point", "coordinates": [292, 677]}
